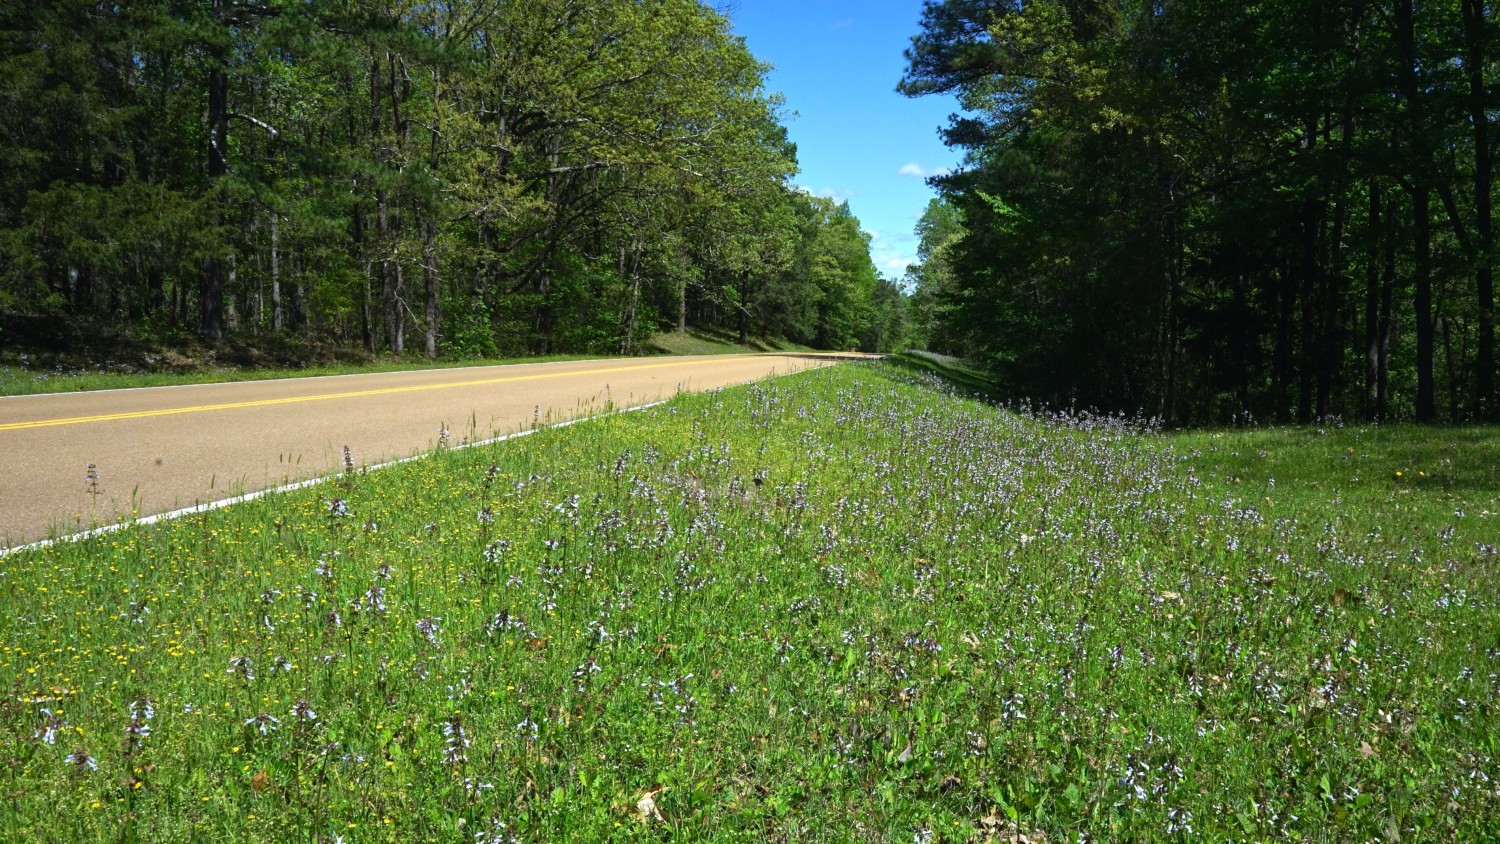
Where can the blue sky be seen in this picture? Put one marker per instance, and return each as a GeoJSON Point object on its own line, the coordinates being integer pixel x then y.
{"type": "Point", "coordinates": [837, 63]}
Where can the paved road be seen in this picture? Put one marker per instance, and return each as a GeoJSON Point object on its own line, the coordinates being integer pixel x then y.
{"type": "Point", "coordinates": [162, 448]}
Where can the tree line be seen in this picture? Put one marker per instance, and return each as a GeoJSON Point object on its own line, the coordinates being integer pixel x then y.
{"type": "Point", "coordinates": [1204, 209]}
{"type": "Point", "coordinates": [477, 177]}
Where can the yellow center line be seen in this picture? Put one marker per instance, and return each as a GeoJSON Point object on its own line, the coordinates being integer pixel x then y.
{"type": "Point", "coordinates": [173, 411]}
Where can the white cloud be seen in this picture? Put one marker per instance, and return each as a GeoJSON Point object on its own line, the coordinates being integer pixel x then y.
{"type": "Point", "coordinates": [843, 24]}
{"type": "Point", "coordinates": [918, 171]}
{"type": "Point", "coordinates": [835, 194]}
{"type": "Point", "coordinates": [889, 257]}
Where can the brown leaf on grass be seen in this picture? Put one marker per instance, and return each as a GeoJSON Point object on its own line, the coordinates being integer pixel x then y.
{"type": "Point", "coordinates": [994, 829]}
{"type": "Point", "coordinates": [260, 782]}
{"type": "Point", "coordinates": [1365, 750]}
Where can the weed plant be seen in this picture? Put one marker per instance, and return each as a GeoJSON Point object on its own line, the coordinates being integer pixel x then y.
{"type": "Point", "coordinates": [841, 605]}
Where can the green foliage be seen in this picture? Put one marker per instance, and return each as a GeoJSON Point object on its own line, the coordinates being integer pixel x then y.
{"type": "Point", "coordinates": [1205, 209]}
{"type": "Point", "coordinates": [842, 604]}
{"type": "Point", "coordinates": [467, 332]}
{"type": "Point", "coordinates": [563, 174]}
{"type": "Point", "coordinates": [933, 283]}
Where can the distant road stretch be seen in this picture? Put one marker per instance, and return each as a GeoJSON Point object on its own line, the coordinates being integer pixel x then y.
{"type": "Point", "coordinates": [159, 449]}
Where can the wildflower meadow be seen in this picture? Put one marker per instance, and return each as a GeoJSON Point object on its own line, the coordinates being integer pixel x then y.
{"type": "Point", "coordinates": [846, 605]}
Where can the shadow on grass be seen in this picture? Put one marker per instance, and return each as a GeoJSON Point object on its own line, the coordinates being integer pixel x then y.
{"type": "Point", "coordinates": [700, 341]}
{"type": "Point", "coordinates": [968, 380]}
{"type": "Point", "coordinates": [1419, 459]}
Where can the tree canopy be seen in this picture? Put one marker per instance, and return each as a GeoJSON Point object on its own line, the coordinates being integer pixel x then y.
{"type": "Point", "coordinates": [1207, 209]}
{"type": "Point", "coordinates": [469, 178]}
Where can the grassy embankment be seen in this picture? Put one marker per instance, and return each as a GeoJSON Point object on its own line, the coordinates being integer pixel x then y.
{"type": "Point", "coordinates": [696, 342]}
{"type": "Point", "coordinates": [58, 356]}
{"type": "Point", "coordinates": [845, 604]}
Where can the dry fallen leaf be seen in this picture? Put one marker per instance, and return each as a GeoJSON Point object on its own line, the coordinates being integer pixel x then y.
{"type": "Point", "coordinates": [905, 755]}
{"type": "Point", "coordinates": [647, 807]}
{"type": "Point", "coordinates": [999, 830]}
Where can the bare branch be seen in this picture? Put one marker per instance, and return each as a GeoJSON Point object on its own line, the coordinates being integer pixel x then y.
{"type": "Point", "coordinates": [256, 121]}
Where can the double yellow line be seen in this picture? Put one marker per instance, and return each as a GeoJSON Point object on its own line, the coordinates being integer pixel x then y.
{"type": "Point", "coordinates": [173, 411]}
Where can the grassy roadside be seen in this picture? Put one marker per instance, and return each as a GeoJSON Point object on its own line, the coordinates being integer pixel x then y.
{"type": "Point", "coordinates": [846, 604]}
{"type": "Point", "coordinates": [23, 381]}
{"type": "Point", "coordinates": [21, 374]}
{"type": "Point", "coordinates": [697, 342]}
{"type": "Point", "coordinates": [952, 369]}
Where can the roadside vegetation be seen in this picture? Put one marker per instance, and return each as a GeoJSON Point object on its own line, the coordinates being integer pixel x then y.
{"type": "Point", "coordinates": [63, 356]}
{"type": "Point", "coordinates": [707, 342]}
{"type": "Point", "coordinates": [1209, 207]}
{"type": "Point", "coordinates": [846, 604]}
{"type": "Point", "coordinates": [445, 180]}
{"type": "Point", "coordinates": [23, 380]}
{"type": "Point", "coordinates": [955, 371]}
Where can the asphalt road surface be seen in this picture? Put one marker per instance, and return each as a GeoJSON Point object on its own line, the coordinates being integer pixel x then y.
{"type": "Point", "coordinates": [159, 449]}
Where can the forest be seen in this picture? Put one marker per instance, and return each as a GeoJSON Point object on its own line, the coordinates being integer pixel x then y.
{"type": "Point", "coordinates": [465, 179]}
{"type": "Point", "coordinates": [1217, 211]}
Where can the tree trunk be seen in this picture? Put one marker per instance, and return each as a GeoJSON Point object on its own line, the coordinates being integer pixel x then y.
{"type": "Point", "coordinates": [430, 284]}
{"type": "Point", "coordinates": [211, 292]}
{"type": "Point", "coordinates": [210, 299]}
{"type": "Point", "coordinates": [83, 289]}
{"type": "Point", "coordinates": [1307, 330]}
{"type": "Point", "coordinates": [1336, 283]}
{"type": "Point", "coordinates": [367, 315]}
{"type": "Point", "coordinates": [158, 301]}
{"type": "Point", "coordinates": [398, 311]}
{"type": "Point", "coordinates": [1451, 364]}
{"type": "Point", "coordinates": [1475, 56]}
{"type": "Point", "coordinates": [541, 318]}
{"type": "Point", "coordinates": [1281, 367]}
{"type": "Point", "coordinates": [231, 287]}
{"type": "Point", "coordinates": [276, 315]}
{"type": "Point", "coordinates": [1387, 309]}
{"type": "Point", "coordinates": [1172, 236]}
{"type": "Point", "coordinates": [744, 316]}
{"type": "Point", "coordinates": [1419, 156]}
{"type": "Point", "coordinates": [1372, 307]}
{"type": "Point", "coordinates": [1422, 300]}
{"type": "Point", "coordinates": [631, 271]}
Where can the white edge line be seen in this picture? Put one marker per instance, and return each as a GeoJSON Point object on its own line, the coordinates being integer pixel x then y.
{"type": "Point", "coordinates": [251, 496]}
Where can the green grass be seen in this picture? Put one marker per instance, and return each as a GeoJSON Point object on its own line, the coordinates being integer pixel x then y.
{"type": "Point", "coordinates": [841, 605]}
{"type": "Point", "coordinates": [954, 370]}
{"type": "Point", "coordinates": [16, 380]}
{"type": "Point", "coordinates": [699, 342]}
